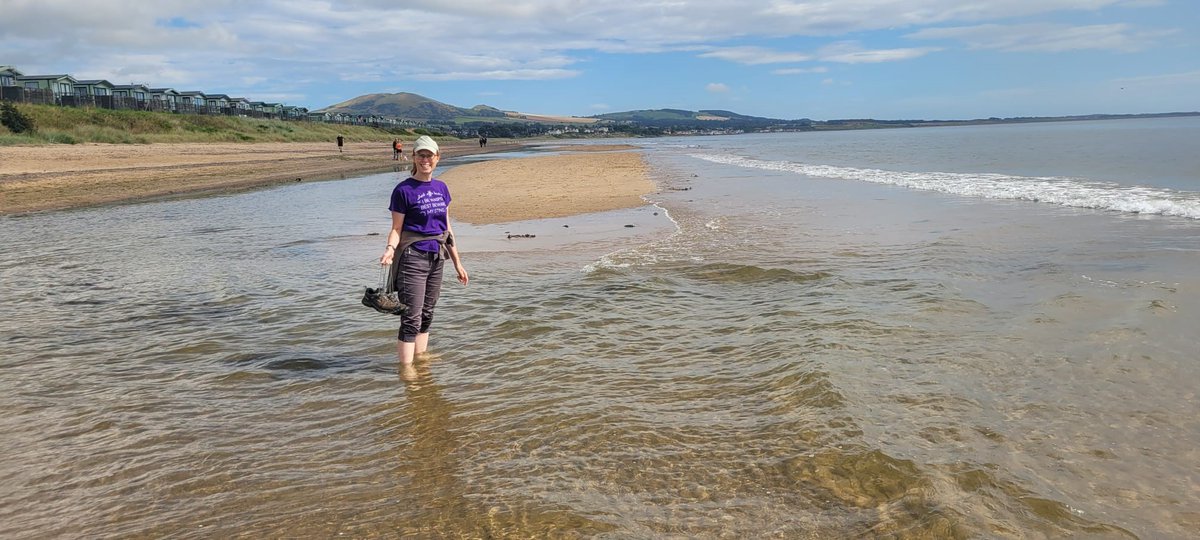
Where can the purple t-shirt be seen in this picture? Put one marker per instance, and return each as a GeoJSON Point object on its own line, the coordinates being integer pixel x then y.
{"type": "Point", "coordinates": [424, 207]}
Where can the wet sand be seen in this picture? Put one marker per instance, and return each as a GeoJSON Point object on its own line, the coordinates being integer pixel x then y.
{"type": "Point", "coordinates": [56, 177]}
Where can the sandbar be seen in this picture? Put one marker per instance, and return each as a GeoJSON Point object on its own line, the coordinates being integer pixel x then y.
{"type": "Point", "coordinates": [539, 187]}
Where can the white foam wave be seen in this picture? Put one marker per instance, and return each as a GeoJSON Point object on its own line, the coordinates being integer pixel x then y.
{"type": "Point", "coordinates": [1062, 191]}
{"type": "Point", "coordinates": [641, 254]}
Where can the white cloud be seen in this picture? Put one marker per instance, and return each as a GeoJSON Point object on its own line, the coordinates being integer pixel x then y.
{"type": "Point", "coordinates": [204, 44]}
{"type": "Point", "coordinates": [824, 17]}
{"type": "Point", "coordinates": [1144, 3]}
{"type": "Point", "coordinates": [717, 88]}
{"type": "Point", "coordinates": [850, 52]}
{"type": "Point", "coordinates": [153, 69]}
{"type": "Point", "coordinates": [1045, 37]}
{"type": "Point", "coordinates": [520, 31]}
{"type": "Point", "coordinates": [277, 97]}
{"type": "Point", "coordinates": [800, 71]}
{"type": "Point", "coordinates": [755, 55]}
{"type": "Point", "coordinates": [509, 74]}
{"type": "Point", "coordinates": [844, 52]}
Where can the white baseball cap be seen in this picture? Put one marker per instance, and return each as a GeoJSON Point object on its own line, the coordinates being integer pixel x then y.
{"type": "Point", "coordinates": [425, 142]}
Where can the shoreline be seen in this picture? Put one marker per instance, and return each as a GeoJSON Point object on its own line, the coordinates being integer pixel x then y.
{"type": "Point", "coordinates": [63, 177]}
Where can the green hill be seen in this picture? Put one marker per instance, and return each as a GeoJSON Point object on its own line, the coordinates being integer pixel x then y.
{"type": "Point", "coordinates": [648, 115]}
{"type": "Point", "coordinates": [705, 119]}
{"type": "Point", "coordinates": [410, 106]}
{"type": "Point", "coordinates": [488, 111]}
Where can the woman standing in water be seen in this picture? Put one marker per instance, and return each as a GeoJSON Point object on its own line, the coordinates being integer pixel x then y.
{"type": "Point", "coordinates": [417, 247]}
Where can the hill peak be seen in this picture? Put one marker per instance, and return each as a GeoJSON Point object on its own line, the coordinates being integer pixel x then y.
{"type": "Point", "coordinates": [407, 105]}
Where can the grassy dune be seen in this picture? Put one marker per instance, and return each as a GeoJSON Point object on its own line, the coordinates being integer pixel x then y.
{"type": "Point", "coordinates": [70, 125]}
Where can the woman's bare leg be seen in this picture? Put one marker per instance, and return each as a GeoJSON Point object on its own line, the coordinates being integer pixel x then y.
{"type": "Point", "coordinates": [406, 352]}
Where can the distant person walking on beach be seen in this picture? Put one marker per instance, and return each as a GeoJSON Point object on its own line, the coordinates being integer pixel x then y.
{"type": "Point", "coordinates": [340, 140]}
{"type": "Point", "coordinates": [482, 141]}
{"type": "Point", "coordinates": [418, 244]}
{"type": "Point", "coordinates": [397, 150]}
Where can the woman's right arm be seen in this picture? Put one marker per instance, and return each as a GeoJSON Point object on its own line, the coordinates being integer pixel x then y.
{"type": "Point", "coordinates": [393, 239]}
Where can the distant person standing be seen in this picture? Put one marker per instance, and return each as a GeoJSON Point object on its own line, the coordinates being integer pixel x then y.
{"type": "Point", "coordinates": [482, 141]}
{"type": "Point", "coordinates": [340, 141]}
{"type": "Point", "coordinates": [398, 150]}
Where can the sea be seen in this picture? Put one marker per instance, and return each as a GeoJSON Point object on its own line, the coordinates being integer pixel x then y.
{"type": "Point", "coordinates": [952, 332]}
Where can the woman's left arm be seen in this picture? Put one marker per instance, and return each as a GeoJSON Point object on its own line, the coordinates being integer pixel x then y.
{"type": "Point", "coordinates": [393, 239]}
{"type": "Point", "coordinates": [453, 249]}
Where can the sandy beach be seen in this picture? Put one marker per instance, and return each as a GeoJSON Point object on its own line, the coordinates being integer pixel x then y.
{"type": "Point", "coordinates": [56, 177]}
{"type": "Point", "coordinates": [595, 179]}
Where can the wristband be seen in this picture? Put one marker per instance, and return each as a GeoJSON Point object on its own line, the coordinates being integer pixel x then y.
{"type": "Point", "coordinates": [390, 247]}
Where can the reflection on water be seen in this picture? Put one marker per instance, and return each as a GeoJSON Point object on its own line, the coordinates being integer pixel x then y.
{"type": "Point", "coordinates": [191, 369]}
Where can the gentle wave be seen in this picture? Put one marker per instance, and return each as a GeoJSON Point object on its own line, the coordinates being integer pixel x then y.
{"type": "Point", "coordinates": [1072, 192]}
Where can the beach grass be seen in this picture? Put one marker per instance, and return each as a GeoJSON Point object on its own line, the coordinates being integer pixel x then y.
{"type": "Point", "coordinates": [70, 125]}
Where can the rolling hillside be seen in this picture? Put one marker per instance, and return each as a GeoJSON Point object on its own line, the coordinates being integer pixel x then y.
{"type": "Point", "coordinates": [412, 107]}
{"type": "Point", "coordinates": [679, 115]}
{"type": "Point", "coordinates": [706, 119]}
{"type": "Point", "coordinates": [409, 106]}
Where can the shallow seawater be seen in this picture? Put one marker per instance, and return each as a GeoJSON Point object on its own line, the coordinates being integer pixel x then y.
{"type": "Point", "coordinates": [762, 354]}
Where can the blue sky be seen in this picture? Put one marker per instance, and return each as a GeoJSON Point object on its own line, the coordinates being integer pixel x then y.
{"type": "Point", "coordinates": [819, 59]}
